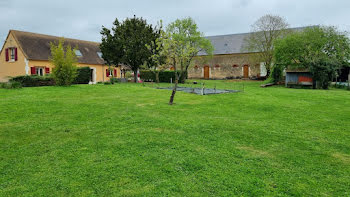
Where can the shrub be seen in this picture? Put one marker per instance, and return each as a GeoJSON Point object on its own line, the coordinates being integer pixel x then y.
{"type": "Point", "coordinates": [65, 61]}
{"type": "Point", "coordinates": [15, 85]}
{"type": "Point", "coordinates": [11, 85]}
{"type": "Point", "coordinates": [113, 80]}
{"type": "Point", "coordinates": [276, 74]}
{"type": "Point", "coordinates": [107, 83]}
{"type": "Point", "coordinates": [83, 76]}
{"type": "Point", "coordinates": [164, 76]}
{"type": "Point", "coordinates": [33, 80]}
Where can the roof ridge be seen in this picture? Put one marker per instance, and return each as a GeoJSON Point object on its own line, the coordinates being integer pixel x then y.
{"type": "Point", "coordinates": [46, 35]}
{"type": "Point", "coordinates": [300, 27]}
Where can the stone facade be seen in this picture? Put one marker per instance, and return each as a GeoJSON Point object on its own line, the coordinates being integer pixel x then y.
{"type": "Point", "coordinates": [225, 67]}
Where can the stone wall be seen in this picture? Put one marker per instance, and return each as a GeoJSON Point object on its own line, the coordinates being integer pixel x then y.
{"type": "Point", "coordinates": [225, 66]}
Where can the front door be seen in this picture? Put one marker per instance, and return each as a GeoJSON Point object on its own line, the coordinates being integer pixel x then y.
{"type": "Point", "coordinates": [206, 72]}
{"type": "Point", "coordinates": [245, 71]}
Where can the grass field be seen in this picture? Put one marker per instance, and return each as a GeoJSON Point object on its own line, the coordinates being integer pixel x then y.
{"type": "Point", "coordinates": [125, 140]}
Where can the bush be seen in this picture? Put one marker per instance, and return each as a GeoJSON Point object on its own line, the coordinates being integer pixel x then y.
{"type": "Point", "coordinates": [113, 80]}
{"type": "Point", "coordinates": [276, 74]}
{"type": "Point", "coordinates": [107, 83]}
{"type": "Point", "coordinates": [83, 76]}
{"type": "Point", "coordinates": [164, 76]}
{"type": "Point", "coordinates": [33, 80]}
{"type": "Point", "coordinates": [11, 85]}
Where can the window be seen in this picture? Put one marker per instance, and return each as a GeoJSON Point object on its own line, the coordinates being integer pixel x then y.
{"type": "Point", "coordinates": [99, 54]}
{"type": "Point", "coordinates": [39, 71]}
{"type": "Point", "coordinates": [78, 53]}
{"type": "Point", "coordinates": [12, 54]}
{"type": "Point", "coordinates": [111, 72]}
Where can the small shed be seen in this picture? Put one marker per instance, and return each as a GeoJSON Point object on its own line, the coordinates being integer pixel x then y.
{"type": "Point", "coordinates": [298, 77]}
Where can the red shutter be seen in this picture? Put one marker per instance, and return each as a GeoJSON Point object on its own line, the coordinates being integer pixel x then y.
{"type": "Point", "coordinates": [107, 73]}
{"type": "Point", "coordinates": [7, 55]}
{"type": "Point", "coordinates": [16, 57]}
{"type": "Point", "coordinates": [47, 70]}
{"type": "Point", "coordinates": [32, 70]}
{"type": "Point", "coordinates": [115, 72]}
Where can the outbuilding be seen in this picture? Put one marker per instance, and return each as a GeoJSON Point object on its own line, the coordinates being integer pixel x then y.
{"type": "Point", "coordinates": [299, 77]}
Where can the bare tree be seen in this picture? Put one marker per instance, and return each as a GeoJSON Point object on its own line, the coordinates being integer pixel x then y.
{"type": "Point", "coordinates": [264, 32]}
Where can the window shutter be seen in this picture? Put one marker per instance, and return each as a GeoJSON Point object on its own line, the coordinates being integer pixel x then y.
{"type": "Point", "coordinates": [32, 70]}
{"type": "Point", "coordinates": [47, 70]}
{"type": "Point", "coordinates": [7, 55]}
{"type": "Point", "coordinates": [107, 73]}
{"type": "Point", "coordinates": [115, 72]}
{"type": "Point", "coordinates": [16, 57]}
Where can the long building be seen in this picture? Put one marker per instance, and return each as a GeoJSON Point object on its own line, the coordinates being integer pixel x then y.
{"type": "Point", "coordinates": [25, 53]}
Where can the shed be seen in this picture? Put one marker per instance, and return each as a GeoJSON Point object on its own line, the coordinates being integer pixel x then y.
{"type": "Point", "coordinates": [298, 77]}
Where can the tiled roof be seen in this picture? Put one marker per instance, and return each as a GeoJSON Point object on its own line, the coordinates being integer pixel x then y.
{"type": "Point", "coordinates": [37, 47]}
{"type": "Point", "coordinates": [232, 43]}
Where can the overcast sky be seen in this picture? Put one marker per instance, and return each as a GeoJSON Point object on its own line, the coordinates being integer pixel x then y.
{"type": "Point", "coordinates": [82, 19]}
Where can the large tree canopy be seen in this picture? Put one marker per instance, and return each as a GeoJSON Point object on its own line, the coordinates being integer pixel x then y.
{"type": "Point", "coordinates": [265, 31]}
{"type": "Point", "coordinates": [322, 50]}
{"type": "Point", "coordinates": [126, 43]}
{"type": "Point", "coordinates": [182, 42]}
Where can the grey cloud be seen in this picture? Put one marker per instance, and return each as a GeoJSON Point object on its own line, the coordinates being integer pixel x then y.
{"type": "Point", "coordinates": [83, 19]}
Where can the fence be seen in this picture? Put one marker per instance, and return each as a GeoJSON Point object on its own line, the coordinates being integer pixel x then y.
{"type": "Point", "coordinates": [202, 87]}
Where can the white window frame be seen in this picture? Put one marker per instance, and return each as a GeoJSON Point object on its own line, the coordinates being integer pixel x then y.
{"type": "Point", "coordinates": [38, 69]}
{"type": "Point", "coordinates": [12, 54]}
{"type": "Point", "coordinates": [111, 72]}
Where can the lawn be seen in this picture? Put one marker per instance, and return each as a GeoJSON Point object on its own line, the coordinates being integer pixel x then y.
{"type": "Point", "coordinates": [125, 140]}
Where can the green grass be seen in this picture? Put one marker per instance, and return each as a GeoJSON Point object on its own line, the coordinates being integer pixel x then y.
{"type": "Point", "coordinates": [125, 140]}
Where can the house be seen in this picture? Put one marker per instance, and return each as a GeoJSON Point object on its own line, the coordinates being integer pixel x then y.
{"type": "Point", "coordinates": [25, 53]}
{"type": "Point", "coordinates": [298, 77]}
{"type": "Point", "coordinates": [230, 59]}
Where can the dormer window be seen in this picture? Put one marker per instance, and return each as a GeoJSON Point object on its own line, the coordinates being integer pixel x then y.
{"type": "Point", "coordinates": [99, 54]}
{"type": "Point", "coordinates": [78, 53]}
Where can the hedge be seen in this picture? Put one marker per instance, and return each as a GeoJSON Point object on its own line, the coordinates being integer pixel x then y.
{"type": "Point", "coordinates": [34, 80]}
{"type": "Point", "coordinates": [164, 76]}
{"type": "Point", "coordinates": [83, 76]}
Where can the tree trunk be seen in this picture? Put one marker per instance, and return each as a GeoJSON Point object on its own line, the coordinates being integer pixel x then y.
{"type": "Point", "coordinates": [157, 76]}
{"type": "Point", "coordinates": [173, 93]}
{"type": "Point", "coordinates": [135, 76]}
{"type": "Point", "coordinates": [268, 72]}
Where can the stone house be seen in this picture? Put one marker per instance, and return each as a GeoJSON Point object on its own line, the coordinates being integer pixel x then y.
{"type": "Point", "coordinates": [230, 60]}
{"type": "Point", "coordinates": [25, 53]}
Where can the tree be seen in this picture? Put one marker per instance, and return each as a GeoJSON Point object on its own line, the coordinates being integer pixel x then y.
{"type": "Point", "coordinates": [265, 31]}
{"type": "Point", "coordinates": [111, 46]}
{"type": "Point", "coordinates": [182, 42]}
{"type": "Point", "coordinates": [157, 60]}
{"type": "Point", "coordinates": [128, 42]}
{"type": "Point", "coordinates": [321, 50]}
{"type": "Point", "coordinates": [65, 62]}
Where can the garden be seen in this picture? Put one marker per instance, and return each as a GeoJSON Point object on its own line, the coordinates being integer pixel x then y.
{"type": "Point", "coordinates": [125, 140]}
